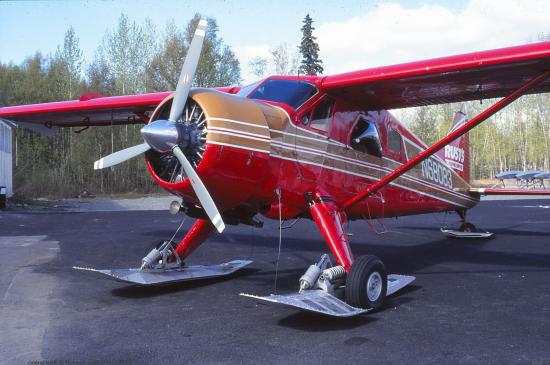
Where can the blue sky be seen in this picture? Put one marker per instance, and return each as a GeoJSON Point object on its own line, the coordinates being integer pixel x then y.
{"type": "Point", "coordinates": [352, 34]}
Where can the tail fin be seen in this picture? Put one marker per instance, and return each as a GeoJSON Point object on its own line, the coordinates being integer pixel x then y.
{"type": "Point", "coordinates": [457, 153]}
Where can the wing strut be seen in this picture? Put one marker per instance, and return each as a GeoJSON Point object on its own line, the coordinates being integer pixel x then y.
{"type": "Point", "coordinates": [446, 140]}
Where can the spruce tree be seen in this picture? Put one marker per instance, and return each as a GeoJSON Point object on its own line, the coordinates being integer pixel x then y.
{"type": "Point", "coordinates": [311, 64]}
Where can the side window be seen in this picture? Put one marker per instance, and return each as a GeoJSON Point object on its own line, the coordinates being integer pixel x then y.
{"type": "Point", "coordinates": [365, 138]}
{"type": "Point", "coordinates": [320, 117]}
{"type": "Point", "coordinates": [394, 140]}
{"type": "Point", "coordinates": [306, 117]}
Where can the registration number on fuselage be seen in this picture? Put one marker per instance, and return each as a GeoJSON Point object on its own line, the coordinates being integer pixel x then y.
{"type": "Point", "coordinates": [437, 172]}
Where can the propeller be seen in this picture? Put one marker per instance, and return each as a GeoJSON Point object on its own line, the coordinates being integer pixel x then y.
{"type": "Point", "coordinates": [121, 156]}
{"type": "Point", "coordinates": [170, 136]}
{"type": "Point", "coordinates": [188, 72]}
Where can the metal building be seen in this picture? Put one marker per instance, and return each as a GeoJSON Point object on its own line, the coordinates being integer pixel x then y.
{"type": "Point", "coordinates": [6, 157]}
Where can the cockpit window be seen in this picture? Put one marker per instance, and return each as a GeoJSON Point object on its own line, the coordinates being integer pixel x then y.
{"type": "Point", "coordinates": [365, 138]}
{"type": "Point", "coordinates": [289, 92]}
{"type": "Point", "coordinates": [321, 115]}
{"type": "Point", "coordinates": [394, 140]}
{"type": "Point", "coordinates": [306, 117]}
{"type": "Point", "coordinates": [248, 88]}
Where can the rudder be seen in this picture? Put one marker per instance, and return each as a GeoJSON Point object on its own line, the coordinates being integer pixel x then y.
{"type": "Point", "coordinates": [457, 153]}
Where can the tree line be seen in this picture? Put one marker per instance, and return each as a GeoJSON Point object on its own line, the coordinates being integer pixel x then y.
{"type": "Point", "coordinates": [283, 60]}
{"type": "Point", "coordinates": [516, 138]}
{"type": "Point", "coordinates": [132, 58]}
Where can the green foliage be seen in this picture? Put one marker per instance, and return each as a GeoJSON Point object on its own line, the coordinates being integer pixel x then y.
{"type": "Point", "coordinates": [125, 52]}
{"type": "Point", "coordinates": [218, 65]}
{"type": "Point", "coordinates": [516, 138]}
{"type": "Point", "coordinates": [66, 68]}
{"type": "Point", "coordinates": [129, 60]}
{"type": "Point", "coordinates": [311, 64]}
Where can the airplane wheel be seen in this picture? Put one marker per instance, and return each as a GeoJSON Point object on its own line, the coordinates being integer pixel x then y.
{"type": "Point", "coordinates": [366, 283]}
{"type": "Point", "coordinates": [468, 227]}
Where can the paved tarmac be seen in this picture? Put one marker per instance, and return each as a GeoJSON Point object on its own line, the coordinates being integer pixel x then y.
{"type": "Point", "coordinates": [473, 302]}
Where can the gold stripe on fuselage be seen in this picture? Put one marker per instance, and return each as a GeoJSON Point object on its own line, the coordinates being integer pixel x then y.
{"type": "Point", "coordinates": [252, 125]}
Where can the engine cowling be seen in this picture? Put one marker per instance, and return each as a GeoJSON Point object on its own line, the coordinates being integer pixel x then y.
{"type": "Point", "coordinates": [228, 142]}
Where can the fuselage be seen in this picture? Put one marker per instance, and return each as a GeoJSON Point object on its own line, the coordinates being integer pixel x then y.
{"type": "Point", "coordinates": [257, 145]}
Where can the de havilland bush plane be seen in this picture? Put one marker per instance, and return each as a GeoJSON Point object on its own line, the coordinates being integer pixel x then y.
{"type": "Point", "coordinates": [319, 147]}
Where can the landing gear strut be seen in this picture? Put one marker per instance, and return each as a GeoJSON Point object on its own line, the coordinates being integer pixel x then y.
{"type": "Point", "coordinates": [366, 282]}
{"type": "Point", "coordinates": [164, 263]}
{"type": "Point", "coordinates": [466, 229]}
{"type": "Point", "coordinates": [329, 290]}
{"type": "Point", "coordinates": [351, 288]}
{"type": "Point", "coordinates": [465, 226]}
{"type": "Point", "coordinates": [163, 256]}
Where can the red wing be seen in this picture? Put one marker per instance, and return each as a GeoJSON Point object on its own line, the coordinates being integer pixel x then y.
{"type": "Point", "coordinates": [471, 76]}
{"type": "Point", "coordinates": [129, 109]}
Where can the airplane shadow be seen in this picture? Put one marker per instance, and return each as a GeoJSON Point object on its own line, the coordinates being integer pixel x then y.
{"type": "Point", "coordinates": [312, 322]}
{"type": "Point", "coordinates": [496, 231]}
{"type": "Point", "coordinates": [397, 249]}
{"type": "Point", "coordinates": [411, 258]}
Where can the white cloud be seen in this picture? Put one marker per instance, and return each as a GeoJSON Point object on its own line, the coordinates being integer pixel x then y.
{"type": "Point", "coordinates": [392, 33]}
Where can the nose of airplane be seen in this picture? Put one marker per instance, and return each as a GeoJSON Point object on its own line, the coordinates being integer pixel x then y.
{"type": "Point", "coordinates": [161, 135]}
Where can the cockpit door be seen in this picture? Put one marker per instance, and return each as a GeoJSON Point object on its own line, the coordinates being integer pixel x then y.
{"type": "Point", "coordinates": [365, 142]}
{"type": "Point", "coordinates": [312, 138]}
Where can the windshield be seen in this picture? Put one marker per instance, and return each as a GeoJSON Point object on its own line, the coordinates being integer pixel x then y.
{"type": "Point", "coordinates": [247, 89]}
{"type": "Point", "coordinates": [289, 92]}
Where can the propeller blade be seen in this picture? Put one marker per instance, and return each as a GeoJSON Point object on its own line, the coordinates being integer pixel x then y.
{"type": "Point", "coordinates": [188, 72]}
{"type": "Point", "coordinates": [201, 191]}
{"type": "Point", "coordinates": [121, 156]}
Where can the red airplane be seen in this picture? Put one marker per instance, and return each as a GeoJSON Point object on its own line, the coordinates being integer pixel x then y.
{"type": "Point", "coordinates": [319, 147]}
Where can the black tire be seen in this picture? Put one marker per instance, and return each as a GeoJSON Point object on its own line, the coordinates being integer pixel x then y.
{"type": "Point", "coordinates": [365, 268]}
{"type": "Point", "coordinates": [467, 227]}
